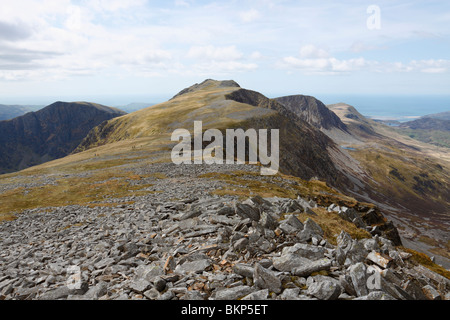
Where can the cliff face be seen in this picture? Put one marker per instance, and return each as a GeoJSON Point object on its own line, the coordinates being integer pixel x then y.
{"type": "Point", "coordinates": [48, 134]}
{"type": "Point", "coordinates": [304, 149]}
{"type": "Point", "coordinates": [312, 111]}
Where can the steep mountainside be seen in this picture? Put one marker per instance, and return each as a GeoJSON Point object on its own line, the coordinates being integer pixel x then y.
{"type": "Point", "coordinates": [47, 134]}
{"type": "Point", "coordinates": [312, 111]}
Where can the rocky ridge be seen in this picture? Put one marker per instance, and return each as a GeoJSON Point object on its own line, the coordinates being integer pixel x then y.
{"type": "Point", "coordinates": [182, 243]}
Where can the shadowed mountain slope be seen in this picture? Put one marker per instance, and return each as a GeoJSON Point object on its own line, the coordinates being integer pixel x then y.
{"type": "Point", "coordinates": [47, 134]}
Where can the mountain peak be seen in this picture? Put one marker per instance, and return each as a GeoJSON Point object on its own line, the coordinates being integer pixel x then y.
{"type": "Point", "coordinates": [312, 111]}
{"type": "Point", "coordinates": [208, 84]}
{"type": "Point", "coordinates": [50, 133]}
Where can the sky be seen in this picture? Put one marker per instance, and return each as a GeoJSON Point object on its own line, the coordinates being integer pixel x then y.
{"type": "Point", "coordinates": [130, 50]}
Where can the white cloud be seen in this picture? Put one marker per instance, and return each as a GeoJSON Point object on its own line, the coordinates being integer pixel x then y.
{"type": "Point", "coordinates": [256, 55]}
{"type": "Point", "coordinates": [74, 20]}
{"type": "Point", "coordinates": [182, 3]}
{"type": "Point", "coordinates": [431, 66]}
{"type": "Point", "coordinates": [250, 15]}
{"type": "Point", "coordinates": [312, 52]}
{"type": "Point", "coordinates": [312, 60]}
{"type": "Point", "coordinates": [212, 60]}
{"type": "Point", "coordinates": [114, 5]}
{"type": "Point", "coordinates": [215, 68]}
{"type": "Point", "coordinates": [228, 53]}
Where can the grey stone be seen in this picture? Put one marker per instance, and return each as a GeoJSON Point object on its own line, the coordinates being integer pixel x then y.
{"type": "Point", "coordinates": [324, 290]}
{"type": "Point", "coordinates": [359, 278]}
{"type": "Point", "coordinates": [241, 244]}
{"type": "Point", "coordinates": [160, 284]}
{"type": "Point", "coordinates": [233, 293]}
{"type": "Point", "coordinates": [414, 290]}
{"type": "Point", "coordinates": [376, 295]}
{"type": "Point", "coordinates": [197, 266]}
{"type": "Point", "coordinates": [289, 261]}
{"type": "Point", "coordinates": [267, 221]}
{"type": "Point", "coordinates": [104, 263]}
{"type": "Point", "coordinates": [149, 272]}
{"type": "Point", "coordinates": [169, 295]}
{"type": "Point", "coordinates": [191, 214]}
{"type": "Point", "coordinates": [246, 211]}
{"type": "Point", "coordinates": [193, 295]}
{"type": "Point", "coordinates": [347, 285]}
{"type": "Point", "coordinates": [291, 206]}
{"type": "Point", "coordinates": [99, 290]}
{"type": "Point", "coordinates": [311, 267]}
{"type": "Point", "coordinates": [244, 270]}
{"type": "Point", "coordinates": [56, 294]}
{"type": "Point", "coordinates": [310, 252]}
{"type": "Point", "coordinates": [370, 244]}
{"type": "Point", "coordinates": [291, 224]}
{"type": "Point", "coordinates": [431, 293]}
{"type": "Point", "coordinates": [140, 285]}
{"type": "Point", "coordinates": [152, 294]}
{"type": "Point", "coordinates": [310, 229]}
{"type": "Point", "coordinates": [290, 294]}
{"type": "Point", "coordinates": [266, 279]}
{"type": "Point", "coordinates": [130, 250]}
{"type": "Point", "coordinates": [257, 295]}
{"type": "Point", "coordinates": [379, 259]}
{"type": "Point", "coordinates": [226, 211]}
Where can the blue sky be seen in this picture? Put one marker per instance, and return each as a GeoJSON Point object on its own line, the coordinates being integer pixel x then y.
{"type": "Point", "coordinates": [83, 49]}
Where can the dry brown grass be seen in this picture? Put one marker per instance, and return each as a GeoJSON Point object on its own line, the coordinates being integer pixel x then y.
{"type": "Point", "coordinates": [93, 190]}
{"type": "Point", "coordinates": [332, 225]}
{"type": "Point", "coordinates": [424, 260]}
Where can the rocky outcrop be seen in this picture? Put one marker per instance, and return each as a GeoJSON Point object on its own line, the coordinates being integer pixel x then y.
{"type": "Point", "coordinates": [312, 111]}
{"type": "Point", "coordinates": [48, 134]}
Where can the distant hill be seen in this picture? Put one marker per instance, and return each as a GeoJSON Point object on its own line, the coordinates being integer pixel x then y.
{"type": "Point", "coordinates": [434, 129]}
{"type": "Point", "coordinates": [441, 115]}
{"type": "Point", "coordinates": [428, 123]}
{"type": "Point", "coordinates": [47, 134]}
{"type": "Point", "coordinates": [8, 112]}
{"type": "Point", "coordinates": [135, 106]}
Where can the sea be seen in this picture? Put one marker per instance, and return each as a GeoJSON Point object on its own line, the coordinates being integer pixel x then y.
{"type": "Point", "coordinates": [392, 107]}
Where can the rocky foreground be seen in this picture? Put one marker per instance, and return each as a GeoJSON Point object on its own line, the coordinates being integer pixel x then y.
{"type": "Point", "coordinates": [202, 247]}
